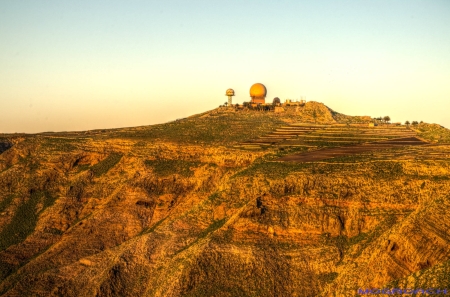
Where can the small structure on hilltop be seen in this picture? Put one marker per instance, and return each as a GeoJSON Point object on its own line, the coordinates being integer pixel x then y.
{"type": "Point", "coordinates": [289, 102]}
{"type": "Point", "coordinates": [230, 94]}
{"type": "Point", "coordinates": [258, 93]}
{"type": "Point", "coordinates": [276, 101]}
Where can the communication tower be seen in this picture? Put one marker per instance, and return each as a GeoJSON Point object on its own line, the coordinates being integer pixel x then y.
{"type": "Point", "coordinates": [230, 94]}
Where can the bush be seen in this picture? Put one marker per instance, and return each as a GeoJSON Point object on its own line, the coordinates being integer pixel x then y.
{"type": "Point", "coordinates": [387, 169]}
{"type": "Point", "coordinates": [105, 165]}
{"type": "Point", "coordinates": [24, 220]}
{"type": "Point", "coordinates": [165, 167]}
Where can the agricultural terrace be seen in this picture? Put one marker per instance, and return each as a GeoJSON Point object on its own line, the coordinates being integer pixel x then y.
{"type": "Point", "coordinates": [315, 136]}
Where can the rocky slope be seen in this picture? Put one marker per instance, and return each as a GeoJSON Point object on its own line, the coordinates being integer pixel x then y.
{"type": "Point", "coordinates": [176, 210]}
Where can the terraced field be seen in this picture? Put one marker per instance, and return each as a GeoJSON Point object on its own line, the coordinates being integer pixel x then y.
{"type": "Point", "coordinates": [320, 136]}
{"type": "Point", "coordinates": [334, 152]}
{"type": "Point", "coordinates": [335, 141]}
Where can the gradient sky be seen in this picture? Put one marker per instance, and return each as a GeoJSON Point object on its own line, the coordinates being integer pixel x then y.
{"type": "Point", "coordinates": [79, 65]}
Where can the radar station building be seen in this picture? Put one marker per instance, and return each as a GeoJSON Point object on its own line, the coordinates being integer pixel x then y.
{"type": "Point", "coordinates": [258, 93]}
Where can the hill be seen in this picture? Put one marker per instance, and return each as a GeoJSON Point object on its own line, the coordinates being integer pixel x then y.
{"type": "Point", "coordinates": [206, 206]}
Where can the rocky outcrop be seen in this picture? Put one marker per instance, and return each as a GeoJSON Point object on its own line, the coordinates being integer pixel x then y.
{"type": "Point", "coordinates": [5, 145]}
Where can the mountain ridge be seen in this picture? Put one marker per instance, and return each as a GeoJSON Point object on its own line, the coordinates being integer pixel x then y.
{"type": "Point", "coordinates": [177, 209]}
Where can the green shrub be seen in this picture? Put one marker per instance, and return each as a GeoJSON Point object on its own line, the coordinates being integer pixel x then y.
{"type": "Point", "coordinates": [25, 218]}
{"type": "Point", "coordinates": [328, 277]}
{"type": "Point", "coordinates": [105, 165]}
{"type": "Point", "coordinates": [165, 167]}
{"type": "Point", "coordinates": [6, 202]}
{"type": "Point", "coordinates": [387, 169]}
{"type": "Point", "coordinates": [273, 170]}
{"type": "Point", "coordinates": [61, 143]}
{"type": "Point", "coordinates": [213, 227]}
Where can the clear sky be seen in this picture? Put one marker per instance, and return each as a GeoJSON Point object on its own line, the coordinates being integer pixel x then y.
{"type": "Point", "coordinates": [79, 65]}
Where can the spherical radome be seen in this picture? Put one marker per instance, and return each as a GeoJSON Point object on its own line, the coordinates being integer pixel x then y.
{"type": "Point", "coordinates": [258, 90]}
{"type": "Point", "coordinates": [230, 92]}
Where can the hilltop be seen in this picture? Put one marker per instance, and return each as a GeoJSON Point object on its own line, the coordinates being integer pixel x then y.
{"type": "Point", "coordinates": [226, 203]}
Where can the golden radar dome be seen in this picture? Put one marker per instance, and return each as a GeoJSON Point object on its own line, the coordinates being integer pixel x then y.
{"type": "Point", "coordinates": [258, 90]}
{"type": "Point", "coordinates": [258, 93]}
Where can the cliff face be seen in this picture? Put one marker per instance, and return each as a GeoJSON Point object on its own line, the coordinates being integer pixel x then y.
{"type": "Point", "coordinates": [5, 144]}
{"type": "Point", "coordinates": [170, 210]}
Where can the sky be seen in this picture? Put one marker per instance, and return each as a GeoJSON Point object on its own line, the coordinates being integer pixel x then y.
{"type": "Point", "coordinates": [82, 65]}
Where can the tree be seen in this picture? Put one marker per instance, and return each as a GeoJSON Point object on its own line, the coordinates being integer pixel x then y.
{"type": "Point", "coordinates": [415, 123]}
{"type": "Point", "coordinates": [314, 115]}
{"type": "Point", "coordinates": [225, 104]}
{"type": "Point", "coordinates": [387, 119]}
{"type": "Point", "coordinates": [407, 123]}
